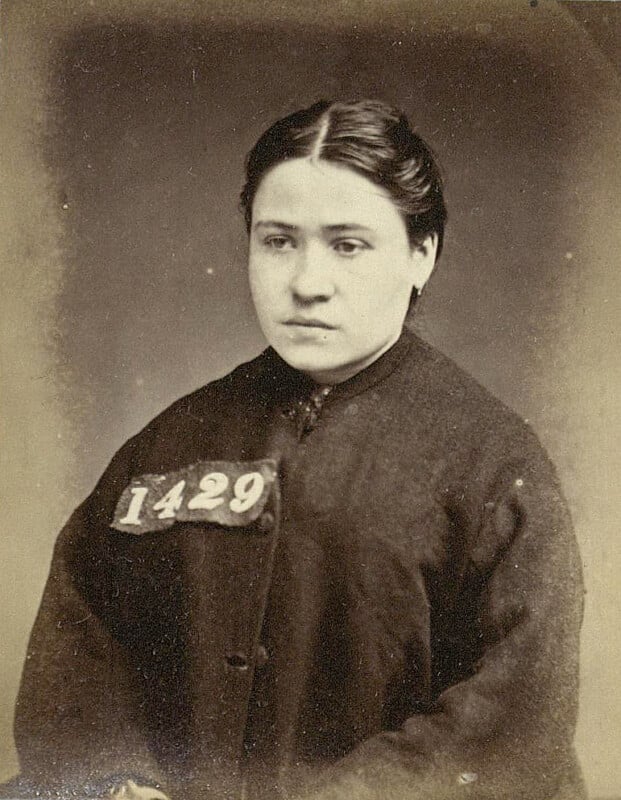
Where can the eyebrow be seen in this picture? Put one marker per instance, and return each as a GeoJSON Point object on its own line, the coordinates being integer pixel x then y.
{"type": "Point", "coordinates": [347, 226]}
{"type": "Point", "coordinates": [338, 228]}
{"type": "Point", "coordinates": [270, 223]}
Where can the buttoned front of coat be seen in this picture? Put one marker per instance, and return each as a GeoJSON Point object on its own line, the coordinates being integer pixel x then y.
{"type": "Point", "coordinates": [400, 619]}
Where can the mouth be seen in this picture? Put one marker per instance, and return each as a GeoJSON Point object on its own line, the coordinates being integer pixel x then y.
{"type": "Point", "coordinates": [303, 322]}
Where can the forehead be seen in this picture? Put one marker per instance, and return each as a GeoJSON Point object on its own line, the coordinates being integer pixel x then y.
{"type": "Point", "coordinates": [307, 191]}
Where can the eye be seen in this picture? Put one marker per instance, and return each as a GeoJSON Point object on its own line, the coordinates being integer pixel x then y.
{"type": "Point", "coordinates": [350, 247]}
{"type": "Point", "coordinates": [279, 242]}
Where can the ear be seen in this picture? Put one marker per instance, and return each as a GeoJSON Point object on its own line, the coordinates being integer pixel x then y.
{"type": "Point", "coordinates": [423, 260]}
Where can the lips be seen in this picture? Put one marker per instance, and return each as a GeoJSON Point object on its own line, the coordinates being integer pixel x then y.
{"type": "Point", "coordinates": [303, 322]}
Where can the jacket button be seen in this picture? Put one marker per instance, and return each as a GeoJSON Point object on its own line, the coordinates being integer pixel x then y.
{"type": "Point", "coordinates": [262, 656]}
{"type": "Point", "coordinates": [266, 521]}
{"type": "Point", "coordinates": [237, 661]}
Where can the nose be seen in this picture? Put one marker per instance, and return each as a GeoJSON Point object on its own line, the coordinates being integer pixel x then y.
{"type": "Point", "coordinates": [311, 279]}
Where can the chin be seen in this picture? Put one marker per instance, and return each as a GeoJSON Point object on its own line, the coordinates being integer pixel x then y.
{"type": "Point", "coordinates": [310, 362]}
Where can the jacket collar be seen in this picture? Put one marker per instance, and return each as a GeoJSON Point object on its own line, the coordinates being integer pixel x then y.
{"type": "Point", "coordinates": [288, 386]}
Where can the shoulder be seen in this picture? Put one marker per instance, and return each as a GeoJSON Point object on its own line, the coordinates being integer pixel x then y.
{"type": "Point", "coordinates": [229, 395]}
{"type": "Point", "coordinates": [186, 425]}
{"type": "Point", "coordinates": [480, 448]}
{"type": "Point", "coordinates": [242, 386]}
{"type": "Point", "coordinates": [449, 399]}
{"type": "Point", "coordinates": [429, 376]}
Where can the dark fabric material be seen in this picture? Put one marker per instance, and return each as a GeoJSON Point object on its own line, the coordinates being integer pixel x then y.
{"type": "Point", "coordinates": [406, 628]}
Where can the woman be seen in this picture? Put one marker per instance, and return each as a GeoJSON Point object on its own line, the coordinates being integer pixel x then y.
{"type": "Point", "coordinates": [342, 571]}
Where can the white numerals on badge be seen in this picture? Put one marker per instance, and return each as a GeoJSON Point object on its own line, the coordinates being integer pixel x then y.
{"type": "Point", "coordinates": [135, 506]}
{"type": "Point", "coordinates": [171, 502]}
{"type": "Point", "coordinates": [248, 488]}
{"type": "Point", "coordinates": [212, 486]}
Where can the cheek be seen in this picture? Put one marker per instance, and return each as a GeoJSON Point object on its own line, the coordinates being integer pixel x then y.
{"type": "Point", "coordinates": [265, 288]}
{"type": "Point", "coordinates": [385, 291]}
{"type": "Point", "coordinates": [256, 274]}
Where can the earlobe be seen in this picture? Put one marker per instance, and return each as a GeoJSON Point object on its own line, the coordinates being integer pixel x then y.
{"type": "Point", "coordinates": [423, 261]}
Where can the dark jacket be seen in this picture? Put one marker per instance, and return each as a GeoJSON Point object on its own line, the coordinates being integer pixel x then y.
{"type": "Point", "coordinates": [395, 616]}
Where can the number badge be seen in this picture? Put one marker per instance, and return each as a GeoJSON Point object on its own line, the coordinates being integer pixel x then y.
{"type": "Point", "coordinates": [232, 494]}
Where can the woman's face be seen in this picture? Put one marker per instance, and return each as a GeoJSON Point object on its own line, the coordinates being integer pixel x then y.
{"type": "Point", "coordinates": [331, 268]}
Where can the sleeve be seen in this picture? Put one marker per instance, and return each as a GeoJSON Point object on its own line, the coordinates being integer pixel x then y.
{"type": "Point", "coordinates": [79, 729]}
{"type": "Point", "coordinates": [504, 731]}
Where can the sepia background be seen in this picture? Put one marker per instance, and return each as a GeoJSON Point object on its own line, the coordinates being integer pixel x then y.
{"type": "Point", "coordinates": [124, 125]}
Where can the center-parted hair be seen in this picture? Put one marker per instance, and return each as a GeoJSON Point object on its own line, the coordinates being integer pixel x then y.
{"type": "Point", "coordinates": [371, 138]}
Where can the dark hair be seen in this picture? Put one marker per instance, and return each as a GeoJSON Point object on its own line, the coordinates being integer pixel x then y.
{"type": "Point", "coordinates": [369, 137]}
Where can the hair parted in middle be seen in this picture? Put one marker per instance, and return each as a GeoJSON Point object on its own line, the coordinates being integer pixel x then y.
{"type": "Point", "coordinates": [371, 138]}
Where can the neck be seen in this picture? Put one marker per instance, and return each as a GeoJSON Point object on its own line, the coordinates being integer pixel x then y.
{"type": "Point", "coordinates": [347, 371]}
